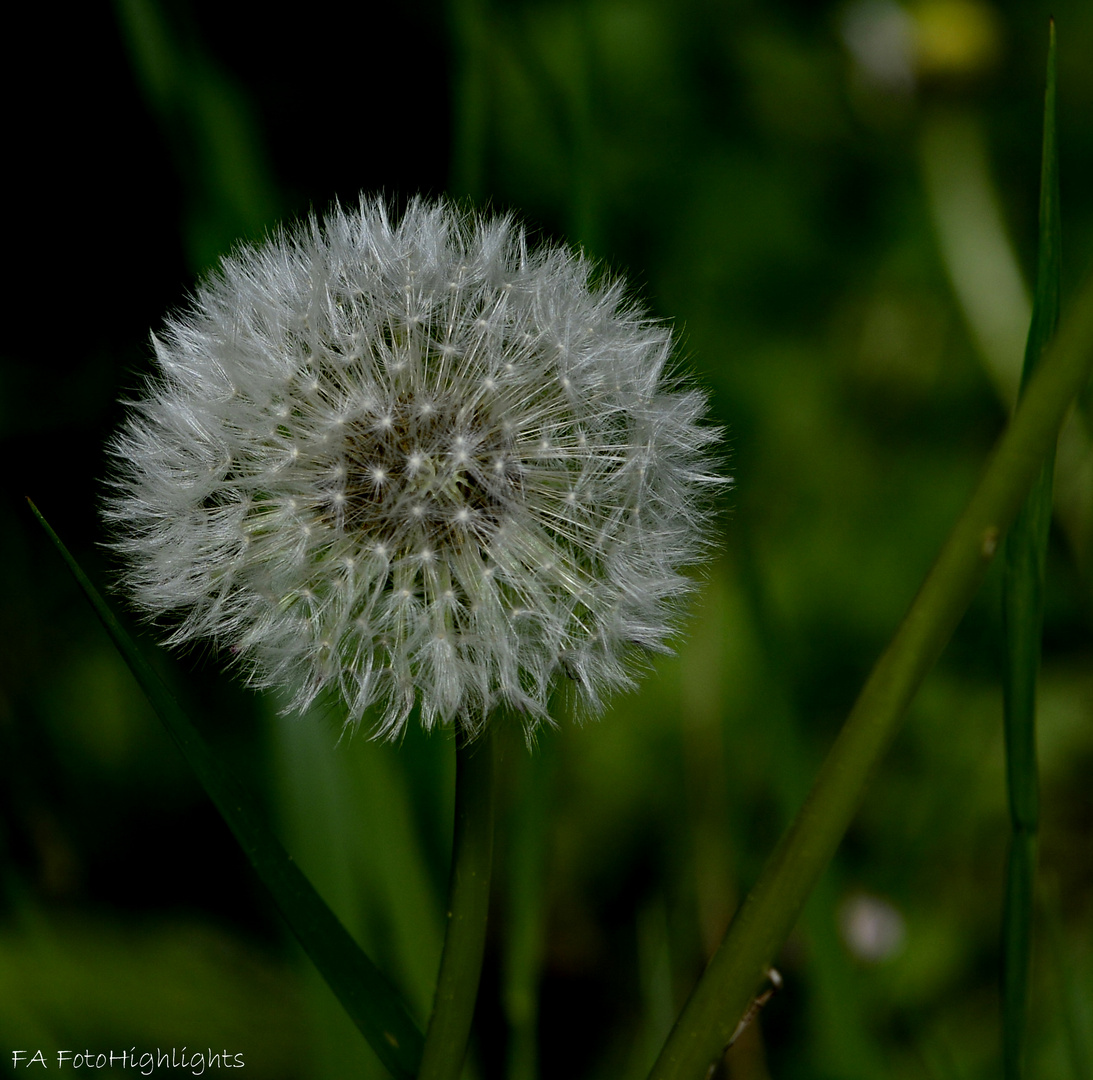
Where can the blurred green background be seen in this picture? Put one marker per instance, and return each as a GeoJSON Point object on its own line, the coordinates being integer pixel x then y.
{"type": "Point", "coordinates": [836, 205]}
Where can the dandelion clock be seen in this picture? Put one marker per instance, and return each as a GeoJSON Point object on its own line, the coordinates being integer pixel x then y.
{"type": "Point", "coordinates": [413, 463]}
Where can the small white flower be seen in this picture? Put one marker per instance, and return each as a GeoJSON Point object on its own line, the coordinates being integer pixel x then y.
{"type": "Point", "coordinates": [414, 463]}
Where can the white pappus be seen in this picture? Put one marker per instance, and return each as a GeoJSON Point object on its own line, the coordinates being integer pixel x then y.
{"type": "Point", "coordinates": [414, 462]}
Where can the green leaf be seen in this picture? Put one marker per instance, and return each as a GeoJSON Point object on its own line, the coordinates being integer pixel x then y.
{"type": "Point", "coordinates": [365, 994]}
{"type": "Point", "coordinates": [1023, 616]}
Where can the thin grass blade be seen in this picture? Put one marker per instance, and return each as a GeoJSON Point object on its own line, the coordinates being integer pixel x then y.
{"type": "Point", "coordinates": [765, 919]}
{"type": "Point", "coordinates": [1023, 616]}
{"type": "Point", "coordinates": [365, 994]}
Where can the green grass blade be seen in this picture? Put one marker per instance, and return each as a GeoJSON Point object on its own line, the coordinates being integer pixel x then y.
{"type": "Point", "coordinates": [1023, 611]}
{"type": "Point", "coordinates": [767, 916]}
{"type": "Point", "coordinates": [364, 993]}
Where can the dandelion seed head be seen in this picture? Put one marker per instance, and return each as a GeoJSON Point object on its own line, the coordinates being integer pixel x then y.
{"type": "Point", "coordinates": [368, 436]}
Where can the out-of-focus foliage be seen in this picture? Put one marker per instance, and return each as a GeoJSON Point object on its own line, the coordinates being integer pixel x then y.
{"type": "Point", "coordinates": [816, 194]}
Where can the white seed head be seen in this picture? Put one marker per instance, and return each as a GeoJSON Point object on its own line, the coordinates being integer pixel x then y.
{"type": "Point", "coordinates": [414, 463]}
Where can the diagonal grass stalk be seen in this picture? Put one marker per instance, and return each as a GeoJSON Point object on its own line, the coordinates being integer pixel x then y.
{"type": "Point", "coordinates": [1023, 614]}
{"type": "Point", "coordinates": [468, 908]}
{"type": "Point", "coordinates": [769, 912]}
{"type": "Point", "coordinates": [361, 988]}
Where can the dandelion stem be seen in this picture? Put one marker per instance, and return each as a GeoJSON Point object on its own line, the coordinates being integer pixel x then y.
{"type": "Point", "coordinates": [468, 907]}
{"type": "Point", "coordinates": [768, 914]}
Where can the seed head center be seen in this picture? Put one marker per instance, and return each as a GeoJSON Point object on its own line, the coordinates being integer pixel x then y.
{"type": "Point", "coordinates": [424, 479]}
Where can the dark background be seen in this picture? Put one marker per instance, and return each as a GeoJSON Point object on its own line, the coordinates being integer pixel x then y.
{"type": "Point", "coordinates": [797, 187]}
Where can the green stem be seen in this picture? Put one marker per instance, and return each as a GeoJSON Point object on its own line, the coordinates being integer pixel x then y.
{"type": "Point", "coordinates": [1017, 947]}
{"type": "Point", "coordinates": [768, 914]}
{"type": "Point", "coordinates": [1023, 617]}
{"type": "Point", "coordinates": [468, 907]}
{"type": "Point", "coordinates": [530, 780]}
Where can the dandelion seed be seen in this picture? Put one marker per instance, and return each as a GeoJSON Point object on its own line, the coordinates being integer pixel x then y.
{"type": "Point", "coordinates": [362, 347]}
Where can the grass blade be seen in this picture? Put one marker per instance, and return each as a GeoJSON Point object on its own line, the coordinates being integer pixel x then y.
{"type": "Point", "coordinates": [767, 916]}
{"type": "Point", "coordinates": [365, 994]}
{"type": "Point", "coordinates": [1023, 613]}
